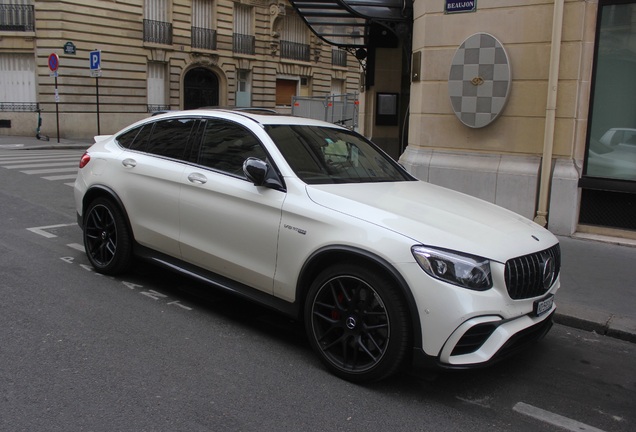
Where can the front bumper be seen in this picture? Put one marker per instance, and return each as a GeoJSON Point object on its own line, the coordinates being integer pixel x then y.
{"type": "Point", "coordinates": [499, 342]}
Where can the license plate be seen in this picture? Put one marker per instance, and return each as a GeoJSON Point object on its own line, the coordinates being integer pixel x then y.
{"type": "Point", "coordinates": [543, 306]}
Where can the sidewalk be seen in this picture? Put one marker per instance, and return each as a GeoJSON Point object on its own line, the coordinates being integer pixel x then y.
{"type": "Point", "coordinates": [598, 274]}
{"type": "Point", "coordinates": [598, 285]}
{"type": "Point", "coordinates": [21, 142]}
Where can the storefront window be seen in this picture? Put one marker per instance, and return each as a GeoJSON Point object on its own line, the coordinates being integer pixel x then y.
{"type": "Point", "coordinates": [611, 152]}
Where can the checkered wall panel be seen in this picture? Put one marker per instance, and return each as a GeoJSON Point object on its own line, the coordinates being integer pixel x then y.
{"type": "Point", "coordinates": [479, 80]}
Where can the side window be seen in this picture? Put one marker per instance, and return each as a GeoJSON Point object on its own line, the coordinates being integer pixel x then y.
{"type": "Point", "coordinates": [137, 138]}
{"type": "Point", "coordinates": [170, 137]}
{"type": "Point", "coordinates": [226, 146]}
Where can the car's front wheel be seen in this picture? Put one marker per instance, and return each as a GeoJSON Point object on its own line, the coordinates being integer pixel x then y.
{"type": "Point", "coordinates": [106, 237]}
{"type": "Point", "coordinates": [357, 322]}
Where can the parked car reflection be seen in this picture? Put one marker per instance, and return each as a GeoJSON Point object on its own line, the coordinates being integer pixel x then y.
{"type": "Point", "coordinates": [613, 155]}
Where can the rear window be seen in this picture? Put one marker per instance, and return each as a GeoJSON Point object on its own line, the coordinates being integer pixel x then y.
{"type": "Point", "coordinates": [167, 138]}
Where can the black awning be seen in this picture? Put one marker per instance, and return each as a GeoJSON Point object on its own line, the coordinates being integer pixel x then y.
{"type": "Point", "coordinates": [347, 23]}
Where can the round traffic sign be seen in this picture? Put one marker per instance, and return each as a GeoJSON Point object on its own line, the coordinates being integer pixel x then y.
{"type": "Point", "coordinates": [54, 62]}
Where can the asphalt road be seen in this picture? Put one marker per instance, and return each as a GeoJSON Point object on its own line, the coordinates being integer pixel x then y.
{"type": "Point", "coordinates": [151, 351]}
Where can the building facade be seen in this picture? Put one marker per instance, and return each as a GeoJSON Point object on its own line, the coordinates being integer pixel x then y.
{"type": "Point", "coordinates": [540, 118]}
{"type": "Point", "coordinates": [153, 55]}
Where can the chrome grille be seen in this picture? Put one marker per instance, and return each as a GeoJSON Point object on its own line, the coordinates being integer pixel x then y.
{"type": "Point", "coordinates": [532, 275]}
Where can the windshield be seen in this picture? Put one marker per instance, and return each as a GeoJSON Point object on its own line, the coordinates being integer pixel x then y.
{"type": "Point", "coordinates": [322, 155]}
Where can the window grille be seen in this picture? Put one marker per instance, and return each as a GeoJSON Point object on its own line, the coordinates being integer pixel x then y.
{"type": "Point", "coordinates": [203, 32]}
{"type": "Point", "coordinates": [243, 41]}
{"type": "Point", "coordinates": [17, 82]}
{"type": "Point", "coordinates": [156, 86]}
{"type": "Point", "coordinates": [338, 57]}
{"type": "Point", "coordinates": [294, 44]}
{"type": "Point", "coordinates": [17, 17]}
{"type": "Point", "coordinates": [157, 25]}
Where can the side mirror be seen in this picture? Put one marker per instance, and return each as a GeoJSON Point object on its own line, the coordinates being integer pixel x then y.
{"type": "Point", "coordinates": [260, 173]}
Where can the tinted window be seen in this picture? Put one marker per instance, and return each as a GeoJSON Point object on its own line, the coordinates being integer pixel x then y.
{"type": "Point", "coordinates": [170, 137]}
{"type": "Point", "coordinates": [320, 155]}
{"type": "Point", "coordinates": [612, 122]}
{"type": "Point", "coordinates": [137, 138]}
{"type": "Point", "coordinates": [226, 146]}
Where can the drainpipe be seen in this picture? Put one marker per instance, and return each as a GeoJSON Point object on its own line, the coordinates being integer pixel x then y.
{"type": "Point", "coordinates": [550, 114]}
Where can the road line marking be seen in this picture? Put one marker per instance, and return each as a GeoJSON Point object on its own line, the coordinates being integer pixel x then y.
{"type": "Point", "coordinates": [42, 165]}
{"type": "Point", "coordinates": [34, 159]}
{"type": "Point", "coordinates": [553, 419]}
{"type": "Point", "coordinates": [16, 155]}
{"type": "Point", "coordinates": [61, 177]}
{"type": "Point", "coordinates": [51, 171]}
{"type": "Point", "coordinates": [41, 230]}
{"type": "Point", "coordinates": [76, 246]}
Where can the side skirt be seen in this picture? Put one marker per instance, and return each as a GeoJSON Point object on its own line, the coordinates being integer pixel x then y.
{"type": "Point", "coordinates": [217, 281]}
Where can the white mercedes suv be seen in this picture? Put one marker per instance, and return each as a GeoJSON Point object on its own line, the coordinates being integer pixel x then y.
{"type": "Point", "coordinates": [313, 220]}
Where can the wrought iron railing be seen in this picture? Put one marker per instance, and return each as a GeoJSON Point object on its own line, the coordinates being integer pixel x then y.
{"type": "Point", "coordinates": [294, 51]}
{"type": "Point", "coordinates": [203, 38]}
{"type": "Point", "coordinates": [158, 32]}
{"type": "Point", "coordinates": [243, 44]}
{"type": "Point", "coordinates": [19, 106]}
{"type": "Point", "coordinates": [17, 18]}
{"type": "Point", "coordinates": [338, 57]}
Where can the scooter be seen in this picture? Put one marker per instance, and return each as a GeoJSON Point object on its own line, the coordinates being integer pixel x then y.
{"type": "Point", "coordinates": [38, 135]}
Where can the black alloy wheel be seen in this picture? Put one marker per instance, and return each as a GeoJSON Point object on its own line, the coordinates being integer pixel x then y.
{"type": "Point", "coordinates": [106, 238]}
{"type": "Point", "coordinates": [357, 323]}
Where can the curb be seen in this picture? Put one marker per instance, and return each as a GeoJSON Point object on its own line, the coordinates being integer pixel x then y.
{"type": "Point", "coordinates": [603, 323]}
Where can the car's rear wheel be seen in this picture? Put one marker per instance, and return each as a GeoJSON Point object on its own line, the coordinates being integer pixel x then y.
{"type": "Point", "coordinates": [106, 237]}
{"type": "Point", "coordinates": [357, 322]}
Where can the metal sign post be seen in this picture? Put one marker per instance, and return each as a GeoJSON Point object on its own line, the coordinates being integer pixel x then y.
{"type": "Point", "coordinates": [54, 64]}
{"type": "Point", "coordinates": [95, 61]}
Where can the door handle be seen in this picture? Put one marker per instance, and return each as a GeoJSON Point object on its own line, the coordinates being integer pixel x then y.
{"type": "Point", "coordinates": [197, 178]}
{"type": "Point", "coordinates": [129, 163]}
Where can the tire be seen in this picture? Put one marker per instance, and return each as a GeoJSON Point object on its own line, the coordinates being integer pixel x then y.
{"type": "Point", "coordinates": [107, 239]}
{"type": "Point", "coordinates": [357, 323]}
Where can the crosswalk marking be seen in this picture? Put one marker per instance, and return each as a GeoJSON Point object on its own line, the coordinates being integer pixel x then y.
{"type": "Point", "coordinates": [42, 165]}
{"type": "Point", "coordinates": [17, 160]}
{"type": "Point", "coordinates": [50, 170]}
{"type": "Point", "coordinates": [61, 177]}
{"type": "Point", "coordinates": [12, 160]}
{"type": "Point", "coordinates": [62, 165]}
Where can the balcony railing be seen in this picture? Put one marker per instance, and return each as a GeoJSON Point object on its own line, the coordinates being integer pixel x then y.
{"type": "Point", "coordinates": [157, 32]}
{"type": "Point", "coordinates": [243, 44]}
{"type": "Point", "coordinates": [294, 51]}
{"type": "Point", "coordinates": [16, 18]}
{"type": "Point", "coordinates": [19, 106]}
{"type": "Point", "coordinates": [203, 38]}
{"type": "Point", "coordinates": [339, 57]}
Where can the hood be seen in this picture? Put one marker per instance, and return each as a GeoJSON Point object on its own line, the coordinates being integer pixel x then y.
{"type": "Point", "coordinates": [436, 216]}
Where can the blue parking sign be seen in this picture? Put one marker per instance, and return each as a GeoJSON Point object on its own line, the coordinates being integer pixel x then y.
{"type": "Point", "coordinates": [95, 60]}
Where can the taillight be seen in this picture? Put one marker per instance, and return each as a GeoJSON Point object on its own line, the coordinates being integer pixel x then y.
{"type": "Point", "coordinates": [86, 158]}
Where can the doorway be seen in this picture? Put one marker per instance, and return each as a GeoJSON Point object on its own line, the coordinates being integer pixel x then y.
{"type": "Point", "coordinates": [200, 88]}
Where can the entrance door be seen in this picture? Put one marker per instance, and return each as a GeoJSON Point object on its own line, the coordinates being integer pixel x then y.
{"type": "Point", "coordinates": [200, 89]}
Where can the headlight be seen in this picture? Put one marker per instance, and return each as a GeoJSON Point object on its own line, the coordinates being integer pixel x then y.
{"type": "Point", "coordinates": [467, 271]}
